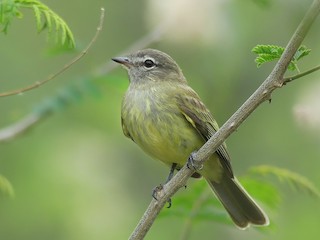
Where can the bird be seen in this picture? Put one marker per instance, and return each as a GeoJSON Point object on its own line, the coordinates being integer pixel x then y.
{"type": "Point", "coordinates": [167, 119]}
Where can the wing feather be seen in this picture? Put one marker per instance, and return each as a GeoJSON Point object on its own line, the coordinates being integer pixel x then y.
{"type": "Point", "coordinates": [196, 113]}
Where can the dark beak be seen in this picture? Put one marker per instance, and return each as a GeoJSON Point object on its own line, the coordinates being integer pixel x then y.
{"type": "Point", "coordinates": [123, 61]}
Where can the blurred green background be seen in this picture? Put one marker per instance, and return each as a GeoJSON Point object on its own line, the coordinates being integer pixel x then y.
{"type": "Point", "coordinates": [76, 176]}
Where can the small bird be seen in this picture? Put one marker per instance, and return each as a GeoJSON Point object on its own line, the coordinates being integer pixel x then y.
{"type": "Point", "coordinates": [167, 119]}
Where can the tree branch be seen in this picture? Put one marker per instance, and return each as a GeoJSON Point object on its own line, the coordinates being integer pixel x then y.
{"type": "Point", "coordinates": [20, 127]}
{"type": "Point", "coordinates": [292, 78]}
{"type": "Point", "coordinates": [273, 81]}
{"type": "Point", "coordinates": [62, 70]}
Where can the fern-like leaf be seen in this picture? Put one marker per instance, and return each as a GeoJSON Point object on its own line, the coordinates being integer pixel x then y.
{"type": "Point", "coordinates": [8, 11]}
{"type": "Point", "coordinates": [45, 19]}
{"type": "Point", "coordinates": [37, 14]}
{"type": "Point", "coordinates": [294, 179]}
{"type": "Point", "coordinates": [268, 53]}
{"type": "Point", "coordinates": [198, 203]}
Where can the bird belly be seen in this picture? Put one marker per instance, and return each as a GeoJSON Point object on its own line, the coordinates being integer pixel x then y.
{"type": "Point", "coordinates": [163, 134]}
{"type": "Point", "coordinates": [171, 141]}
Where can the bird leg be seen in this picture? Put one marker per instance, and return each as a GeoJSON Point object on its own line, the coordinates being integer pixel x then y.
{"type": "Point", "coordinates": [160, 187]}
{"type": "Point", "coordinates": [173, 167]}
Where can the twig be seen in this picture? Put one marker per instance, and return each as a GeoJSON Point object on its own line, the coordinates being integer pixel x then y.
{"type": "Point", "coordinates": [292, 78]}
{"type": "Point", "coordinates": [20, 127]}
{"type": "Point", "coordinates": [65, 67]}
{"type": "Point", "coordinates": [263, 93]}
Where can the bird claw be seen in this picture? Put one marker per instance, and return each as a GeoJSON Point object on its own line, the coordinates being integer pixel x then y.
{"type": "Point", "coordinates": [192, 164]}
{"type": "Point", "coordinates": [156, 190]}
{"type": "Point", "coordinates": [155, 193]}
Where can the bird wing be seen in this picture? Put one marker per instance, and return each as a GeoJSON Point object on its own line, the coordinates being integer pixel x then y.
{"type": "Point", "coordinates": [196, 113]}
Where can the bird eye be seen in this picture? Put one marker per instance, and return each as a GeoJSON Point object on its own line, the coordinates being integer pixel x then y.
{"type": "Point", "coordinates": [149, 63]}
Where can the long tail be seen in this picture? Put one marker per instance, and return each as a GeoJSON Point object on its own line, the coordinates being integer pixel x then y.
{"type": "Point", "coordinates": [241, 207]}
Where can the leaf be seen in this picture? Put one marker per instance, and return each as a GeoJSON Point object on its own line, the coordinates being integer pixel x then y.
{"type": "Point", "coordinates": [295, 180]}
{"type": "Point", "coordinates": [68, 95]}
{"type": "Point", "coordinates": [8, 11]}
{"type": "Point", "coordinates": [302, 52]}
{"type": "Point", "coordinates": [45, 19]}
{"type": "Point", "coordinates": [48, 21]}
{"type": "Point", "coordinates": [6, 187]}
{"type": "Point", "coordinates": [198, 203]}
{"type": "Point", "coordinates": [37, 14]}
{"type": "Point", "coordinates": [268, 53]}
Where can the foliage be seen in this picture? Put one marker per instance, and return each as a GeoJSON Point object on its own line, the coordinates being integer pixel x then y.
{"type": "Point", "coordinates": [200, 205]}
{"type": "Point", "coordinates": [295, 180]}
{"type": "Point", "coordinates": [5, 187]}
{"type": "Point", "coordinates": [268, 53]}
{"type": "Point", "coordinates": [67, 95]}
{"type": "Point", "coordinates": [45, 19]}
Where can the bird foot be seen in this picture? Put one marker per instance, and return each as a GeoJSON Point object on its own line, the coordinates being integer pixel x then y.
{"type": "Point", "coordinates": [157, 191]}
{"type": "Point", "coordinates": [192, 164]}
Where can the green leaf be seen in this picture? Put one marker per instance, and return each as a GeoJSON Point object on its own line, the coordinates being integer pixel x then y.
{"type": "Point", "coordinates": [302, 52]}
{"type": "Point", "coordinates": [268, 53]}
{"type": "Point", "coordinates": [8, 11]}
{"type": "Point", "coordinates": [37, 14]}
{"type": "Point", "coordinates": [6, 187]}
{"type": "Point", "coordinates": [295, 180]}
{"type": "Point", "coordinates": [48, 21]}
{"type": "Point", "coordinates": [45, 19]}
{"type": "Point", "coordinates": [198, 203]}
{"type": "Point", "coordinates": [68, 95]}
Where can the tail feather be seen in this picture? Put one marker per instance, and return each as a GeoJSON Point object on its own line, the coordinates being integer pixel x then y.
{"type": "Point", "coordinates": [241, 207]}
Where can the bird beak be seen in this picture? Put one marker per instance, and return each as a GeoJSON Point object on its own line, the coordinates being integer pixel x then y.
{"type": "Point", "coordinates": [124, 61]}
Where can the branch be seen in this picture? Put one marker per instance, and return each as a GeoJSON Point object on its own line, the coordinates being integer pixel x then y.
{"type": "Point", "coordinates": [67, 66]}
{"type": "Point", "coordinates": [292, 78]}
{"type": "Point", "coordinates": [273, 81]}
{"type": "Point", "coordinates": [20, 127]}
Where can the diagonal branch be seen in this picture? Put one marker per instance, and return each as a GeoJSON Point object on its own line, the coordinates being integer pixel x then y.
{"type": "Point", "coordinates": [273, 81]}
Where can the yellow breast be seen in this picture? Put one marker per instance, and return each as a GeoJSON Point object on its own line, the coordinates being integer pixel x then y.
{"type": "Point", "coordinates": [159, 128]}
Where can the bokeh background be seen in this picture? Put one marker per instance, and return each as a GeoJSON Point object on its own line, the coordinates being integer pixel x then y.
{"type": "Point", "coordinates": [76, 176]}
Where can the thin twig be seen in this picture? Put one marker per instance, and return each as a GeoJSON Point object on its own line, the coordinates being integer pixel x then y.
{"type": "Point", "coordinates": [292, 78]}
{"type": "Point", "coordinates": [65, 67]}
{"type": "Point", "coordinates": [263, 93]}
{"type": "Point", "coordinates": [20, 127]}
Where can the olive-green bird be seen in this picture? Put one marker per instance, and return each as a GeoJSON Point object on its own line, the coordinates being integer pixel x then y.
{"type": "Point", "coordinates": [167, 119]}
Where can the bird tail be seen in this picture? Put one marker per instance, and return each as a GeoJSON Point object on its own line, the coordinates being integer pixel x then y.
{"type": "Point", "coordinates": [241, 207]}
